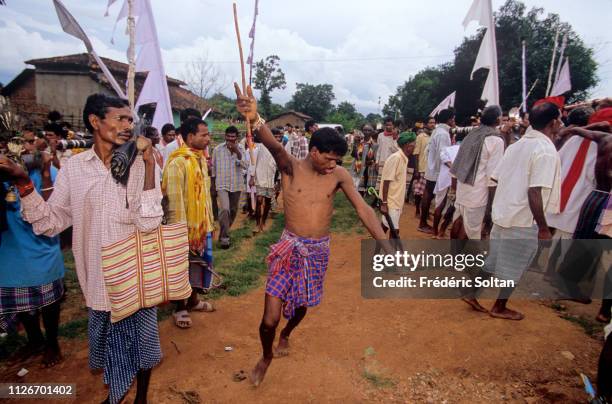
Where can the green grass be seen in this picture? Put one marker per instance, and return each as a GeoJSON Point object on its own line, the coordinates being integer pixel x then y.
{"type": "Point", "coordinates": [74, 329]}
{"type": "Point", "coordinates": [590, 327]}
{"type": "Point", "coordinates": [242, 275]}
{"type": "Point", "coordinates": [345, 219]}
{"type": "Point", "coordinates": [378, 381]}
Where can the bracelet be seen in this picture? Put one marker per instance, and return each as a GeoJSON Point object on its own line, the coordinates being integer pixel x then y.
{"type": "Point", "coordinates": [25, 189]}
{"type": "Point", "coordinates": [46, 189]}
{"type": "Point", "coordinates": [258, 123]}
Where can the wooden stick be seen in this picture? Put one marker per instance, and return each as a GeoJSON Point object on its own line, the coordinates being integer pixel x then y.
{"type": "Point", "coordinates": [244, 86]}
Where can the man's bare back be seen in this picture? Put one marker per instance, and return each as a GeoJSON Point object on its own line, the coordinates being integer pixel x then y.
{"type": "Point", "coordinates": [308, 199]}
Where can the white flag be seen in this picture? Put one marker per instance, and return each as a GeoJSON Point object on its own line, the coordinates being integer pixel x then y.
{"type": "Point", "coordinates": [563, 83]}
{"type": "Point", "coordinates": [482, 11]}
{"type": "Point", "coordinates": [448, 102]}
{"type": "Point", "coordinates": [72, 27]}
{"type": "Point", "coordinates": [149, 59]}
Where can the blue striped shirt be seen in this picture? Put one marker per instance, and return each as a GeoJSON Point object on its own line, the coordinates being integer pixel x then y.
{"type": "Point", "coordinates": [227, 169]}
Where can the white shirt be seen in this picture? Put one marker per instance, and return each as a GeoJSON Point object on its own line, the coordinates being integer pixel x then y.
{"type": "Point", "coordinates": [444, 179]}
{"type": "Point", "coordinates": [477, 195]}
{"type": "Point", "coordinates": [386, 147]}
{"type": "Point", "coordinates": [265, 168]}
{"type": "Point", "coordinates": [568, 219]}
{"type": "Point", "coordinates": [531, 162]}
{"type": "Point", "coordinates": [169, 148]}
{"type": "Point", "coordinates": [440, 139]}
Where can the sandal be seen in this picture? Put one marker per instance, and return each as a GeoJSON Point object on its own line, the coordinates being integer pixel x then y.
{"type": "Point", "coordinates": [182, 319]}
{"type": "Point", "coordinates": [203, 306]}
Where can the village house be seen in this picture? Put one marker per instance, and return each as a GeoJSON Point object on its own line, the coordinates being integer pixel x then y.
{"type": "Point", "coordinates": [63, 83]}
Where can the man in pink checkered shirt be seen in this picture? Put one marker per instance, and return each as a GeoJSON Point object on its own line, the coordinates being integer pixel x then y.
{"type": "Point", "coordinates": [102, 211]}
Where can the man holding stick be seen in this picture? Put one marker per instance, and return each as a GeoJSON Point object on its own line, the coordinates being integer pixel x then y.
{"type": "Point", "coordinates": [297, 263]}
{"type": "Point", "coordinates": [102, 211]}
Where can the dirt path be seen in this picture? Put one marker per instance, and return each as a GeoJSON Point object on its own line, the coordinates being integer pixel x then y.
{"type": "Point", "coordinates": [355, 350]}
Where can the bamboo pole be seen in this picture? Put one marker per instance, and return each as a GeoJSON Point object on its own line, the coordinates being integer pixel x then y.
{"type": "Point", "coordinates": [131, 25]}
{"type": "Point", "coordinates": [249, 135]}
{"type": "Point", "coordinates": [552, 64]}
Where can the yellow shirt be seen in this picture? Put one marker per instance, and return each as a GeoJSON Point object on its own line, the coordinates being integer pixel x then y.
{"type": "Point", "coordinates": [420, 150]}
{"type": "Point", "coordinates": [395, 171]}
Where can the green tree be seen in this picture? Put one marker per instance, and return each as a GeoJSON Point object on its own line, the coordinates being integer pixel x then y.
{"type": "Point", "coordinates": [422, 92]}
{"type": "Point", "coordinates": [346, 115]}
{"type": "Point", "coordinates": [314, 100]}
{"type": "Point", "coordinates": [225, 105]}
{"type": "Point", "coordinates": [268, 77]}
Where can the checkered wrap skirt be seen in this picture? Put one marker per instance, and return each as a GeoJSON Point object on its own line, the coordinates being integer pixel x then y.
{"type": "Point", "coordinates": [296, 270]}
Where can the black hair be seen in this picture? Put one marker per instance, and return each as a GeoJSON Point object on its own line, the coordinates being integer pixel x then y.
{"type": "Point", "coordinates": [54, 116]}
{"type": "Point", "coordinates": [276, 131]}
{"type": "Point", "coordinates": [490, 115]}
{"type": "Point", "coordinates": [232, 129]}
{"type": "Point", "coordinates": [98, 104]}
{"type": "Point", "coordinates": [309, 123]}
{"type": "Point", "coordinates": [580, 116]}
{"type": "Point", "coordinates": [328, 140]}
{"type": "Point", "coordinates": [150, 132]}
{"type": "Point", "coordinates": [289, 125]}
{"type": "Point", "coordinates": [190, 112]}
{"type": "Point", "coordinates": [28, 127]}
{"type": "Point", "coordinates": [445, 115]}
{"type": "Point", "coordinates": [429, 118]}
{"type": "Point", "coordinates": [541, 115]}
{"type": "Point", "coordinates": [167, 128]}
{"type": "Point", "coordinates": [460, 136]}
{"type": "Point", "coordinates": [191, 126]}
{"type": "Point", "coordinates": [339, 129]}
{"type": "Point", "coordinates": [55, 128]}
{"type": "Point", "coordinates": [388, 119]}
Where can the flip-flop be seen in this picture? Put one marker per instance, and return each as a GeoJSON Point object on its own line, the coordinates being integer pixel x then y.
{"type": "Point", "coordinates": [239, 376]}
{"type": "Point", "coordinates": [203, 306]}
{"type": "Point", "coordinates": [182, 317]}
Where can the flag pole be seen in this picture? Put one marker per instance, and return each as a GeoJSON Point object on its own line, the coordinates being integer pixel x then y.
{"type": "Point", "coordinates": [524, 76]}
{"type": "Point", "coordinates": [552, 63]}
{"type": "Point", "coordinates": [249, 135]}
{"type": "Point", "coordinates": [524, 103]}
{"type": "Point", "coordinates": [131, 25]}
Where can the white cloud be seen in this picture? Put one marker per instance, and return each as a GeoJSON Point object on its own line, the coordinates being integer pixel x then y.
{"type": "Point", "coordinates": [364, 49]}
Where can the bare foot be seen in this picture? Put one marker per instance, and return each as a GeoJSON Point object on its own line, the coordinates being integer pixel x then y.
{"type": "Point", "coordinates": [475, 305]}
{"type": "Point", "coordinates": [259, 372]}
{"type": "Point", "coordinates": [282, 349]}
{"type": "Point", "coordinates": [506, 314]}
{"type": "Point", "coordinates": [52, 356]}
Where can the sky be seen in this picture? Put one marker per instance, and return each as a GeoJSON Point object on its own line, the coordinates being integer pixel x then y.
{"type": "Point", "coordinates": [364, 48]}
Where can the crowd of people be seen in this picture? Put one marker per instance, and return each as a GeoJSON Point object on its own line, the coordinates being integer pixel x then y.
{"type": "Point", "coordinates": [543, 176]}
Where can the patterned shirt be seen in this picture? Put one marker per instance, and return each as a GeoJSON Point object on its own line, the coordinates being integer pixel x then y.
{"type": "Point", "coordinates": [227, 169]}
{"type": "Point", "coordinates": [297, 146]}
{"type": "Point", "coordinates": [87, 198]}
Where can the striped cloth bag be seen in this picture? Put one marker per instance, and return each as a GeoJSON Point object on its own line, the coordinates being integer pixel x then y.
{"type": "Point", "coordinates": [146, 269]}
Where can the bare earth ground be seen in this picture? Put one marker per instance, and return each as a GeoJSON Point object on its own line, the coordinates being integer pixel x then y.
{"type": "Point", "coordinates": [355, 350]}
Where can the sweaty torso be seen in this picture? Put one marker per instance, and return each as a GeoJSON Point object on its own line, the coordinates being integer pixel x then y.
{"type": "Point", "coordinates": [603, 165]}
{"type": "Point", "coordinates": [308, 200]}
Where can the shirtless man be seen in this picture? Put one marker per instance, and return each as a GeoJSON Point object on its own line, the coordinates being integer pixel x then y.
{"type": "Point", "coordinates": [596, 202]}
{"type": "Point", "coordinates": [297, 263]}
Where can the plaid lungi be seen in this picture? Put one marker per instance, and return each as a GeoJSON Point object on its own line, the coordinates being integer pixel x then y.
{"type": "Point", "coordinates": [266, 192]}
{"type": "Point", "coordinates": [296, 269]}
{"type": "Point", "coordinates": [20, 299]}
{"type": "Point", "coordinates": [123, 348]}
{"type": "Point", "coordinates": [15, 300]}
{"type": "Point", "coordinates": [511, 251]}
{"type": "Point", "coordinates": [418, 186]}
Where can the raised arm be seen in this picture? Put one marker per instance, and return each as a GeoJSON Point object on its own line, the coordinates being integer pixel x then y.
{"type": "Point", "coordinates": [365, 213]}
{"type": "Point", "coordinates": [247, 106]}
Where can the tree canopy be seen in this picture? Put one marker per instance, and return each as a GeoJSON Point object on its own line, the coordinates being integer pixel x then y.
{"type": "Point", "coordinates": [268, 77]}
{"type": "Point", "coordinates": [418, 96]}
{"type": "Point", "coordinates": [314, 100]}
